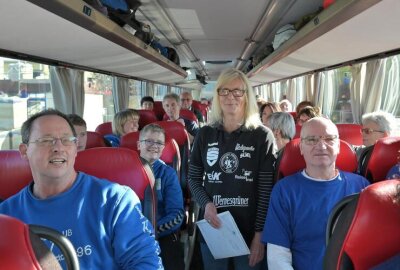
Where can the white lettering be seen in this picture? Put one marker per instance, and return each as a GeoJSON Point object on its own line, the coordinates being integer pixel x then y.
{"type": "Point", "coordinates": [245, 155]}
{"type": "Point", "coordinates": [213, 176]}
{"type": "Point", "coordinates": [213, 144]}
{"type": "Point", "coordinates": [234, 201]}
{"type": "Point", "coordinates": [241, 147]}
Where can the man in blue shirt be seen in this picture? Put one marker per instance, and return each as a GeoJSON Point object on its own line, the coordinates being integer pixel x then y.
{"type": "Point", "coordinates": [170, 213]}
{"type": "Point", "coordinates": [300, 204]}
{"type": "Point", "coordinates": [103, 220]}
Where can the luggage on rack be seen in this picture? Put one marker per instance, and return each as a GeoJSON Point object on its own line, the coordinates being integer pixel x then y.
{"type": "Point", "coordinates": [173, 55]}
{"type": "Point", "coordinates": [96, 4]}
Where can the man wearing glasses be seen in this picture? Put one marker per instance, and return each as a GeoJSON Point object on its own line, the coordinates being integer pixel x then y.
{"type": "Point", "coordinates": [170, 212]}
{"type": "Point", "coordinates": [103, 220]}
{"type": "Point", "coordinates": [300, 204]}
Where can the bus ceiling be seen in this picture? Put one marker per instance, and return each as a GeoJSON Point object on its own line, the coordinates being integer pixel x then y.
{"type": "Point", "coordinates": [209, 36]}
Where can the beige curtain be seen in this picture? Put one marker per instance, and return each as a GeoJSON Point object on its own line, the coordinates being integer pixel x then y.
{"type": "Point", "coordinates": [120, 93]}
{"type": "Point", "coordinates": [67, 86]}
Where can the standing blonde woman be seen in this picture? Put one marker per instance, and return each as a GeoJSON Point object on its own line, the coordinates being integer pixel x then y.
{"type": "Point", "coordinates": [236, 154]}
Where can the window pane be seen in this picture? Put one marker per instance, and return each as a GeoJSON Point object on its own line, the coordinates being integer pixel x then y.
{"type": "Point", "coordinates": [24, 90]}
{"type": "Point", "coordinates": [99, 104]}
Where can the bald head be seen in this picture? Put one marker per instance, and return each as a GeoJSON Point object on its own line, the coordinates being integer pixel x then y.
{"type": "Point", "coordinates": [321, 122]}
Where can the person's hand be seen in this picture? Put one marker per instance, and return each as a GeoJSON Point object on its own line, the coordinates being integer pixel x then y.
{"type": "Point", "coordinates": [210, 215]}
{"type": "Point", "coordinates": [257, 250]}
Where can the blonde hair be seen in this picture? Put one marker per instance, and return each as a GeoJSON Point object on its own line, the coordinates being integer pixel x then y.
{"type": "Point", "coordinates": [251, 116]}
{"type": "Point", "coordinates": [120, 118]}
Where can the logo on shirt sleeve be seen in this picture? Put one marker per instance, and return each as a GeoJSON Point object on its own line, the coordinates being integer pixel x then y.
{"type": "Point", "coordinates": [212, 155]}
{"type": "Point", "coordinates": [229, 162]}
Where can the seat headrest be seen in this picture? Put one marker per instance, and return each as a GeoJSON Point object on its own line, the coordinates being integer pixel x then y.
{"type": "Point", "coordinates": [350, 133]}
{"type": "Point", "coordinates": [16, 250]}
{"type": "Point", "coordinates": [94, 139]}
{"type": "Point", "coordinates": [130, 140]}
{"type": "Point", "coordinates": [119, 165]}
{"type": "Point", "coordinates": [146, 117]}
{"type": "Point", "coordinates": [383, 157]}
{"type": "Point", "coordinates": [176, 131]}
{"type": "Point", "coordinates": [292, 161]}
{"type": "Point", "coordinates": [15, 173]}
{"type": "Point", "coordinates": [374, 235]}
{"type": "Point", "coordinates": [104, 128]}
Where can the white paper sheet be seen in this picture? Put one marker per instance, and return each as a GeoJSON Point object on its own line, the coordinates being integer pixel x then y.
{"type": "Point", "coordinates": [226, 241]}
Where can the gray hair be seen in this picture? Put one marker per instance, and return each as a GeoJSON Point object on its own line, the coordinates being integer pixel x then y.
{"type": "Point", "coordinates": [251, 115]}
{"type": "Point", "coordinates": [172, 96]}
{"type": "Point", "coordinates": [385, 121]}
{"type": "Point", "coordinates": [284, 122]}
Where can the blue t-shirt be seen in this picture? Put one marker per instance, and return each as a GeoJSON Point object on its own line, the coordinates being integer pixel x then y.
{"type": "Point", "coordinates": [298, 213]}
{"type": "Point", "coordinates": [170, 212]}
{"type": "Point", "coordinates": [103, 220]}
{"type": "Point", "coordinates": [394, 172]}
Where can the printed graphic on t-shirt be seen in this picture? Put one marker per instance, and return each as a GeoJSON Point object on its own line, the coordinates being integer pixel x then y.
{"type": "Point", "coordinates": [212, 155]}
{"type": "Point", "coordinates": [229, 162]}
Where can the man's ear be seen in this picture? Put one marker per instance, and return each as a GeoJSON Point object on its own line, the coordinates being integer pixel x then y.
{"type": "Point", "coordinates": [301, 147]}
{"type": "Point", "coordinates": [138, 145]}
{"type": "Point", "coordinates": [23, 148]}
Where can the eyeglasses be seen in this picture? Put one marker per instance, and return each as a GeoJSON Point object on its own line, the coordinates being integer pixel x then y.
{"type": "Point", "coordinates": [149, 143]}
{"type": "Point", "coordinates": [50, 141]}
{"type": "Point", "coordinates": [235, 92]}
{"type": "Point", "coordinates": [314, 140]}
{"type": "Point", "coordinates": [370, 131]}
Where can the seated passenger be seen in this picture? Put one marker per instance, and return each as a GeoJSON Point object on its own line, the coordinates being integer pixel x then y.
{"type": "Point", "coordinates": [303, 104]}
{"type": "Point", "coordinates": [147, 103]}
{"type": "Point", "coordinates": [307, 113]}
{"type": "Point", "coordinates": [172, 107]}
{"type": "Point", "coordinates": [283, 128]}
{"type": "Point", "coordinates": [81, 130]}
{"type": "Point", "coordinates": [170, 213]}
{"type": "Point", "coordinates": [186, 103]}
{"type": "Point", "coordinates": [103, 220]}
{"type": "Point", "coordinates": [300, 204]}
{"type": "Point", "coordinates": [285, 105]}
{"type": "Point", "coordinates": [124, 122]}
{"type": "Point", "coordinates": [375, 125]}
{"type": "Point", "coordinates": [266, 110]}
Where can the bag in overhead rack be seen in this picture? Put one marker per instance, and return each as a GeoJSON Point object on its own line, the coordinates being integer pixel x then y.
{"type": "Point", "coordinates": [117, 5]}
{"type": "Point", "coordinates": [283, 34]}
{"type": "Point", "coordinates": [173, 56]}
{"type": "Point", "coordinates": [96, 4]}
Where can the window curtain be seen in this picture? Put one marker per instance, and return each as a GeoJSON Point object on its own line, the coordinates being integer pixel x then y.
{"type": "Point", "coordinates": [391, 89]}
{"type": "Point", "coordinates": [67, 86]}
{"type": "Point", "coordinates": [373, 86]}
{"type": "Point", "coordinates": [120, 93]}
{"type": "Point", "coordinates": [355, 92]}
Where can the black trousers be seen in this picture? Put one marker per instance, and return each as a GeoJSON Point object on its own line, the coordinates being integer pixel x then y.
{"type": "Point", "coordinates": [172, 252]}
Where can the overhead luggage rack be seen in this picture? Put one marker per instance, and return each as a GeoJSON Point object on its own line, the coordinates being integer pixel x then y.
{"type": "Point", "coordinates": [73, 33]}
{"type": "Point", "coordinates": [347, 31]}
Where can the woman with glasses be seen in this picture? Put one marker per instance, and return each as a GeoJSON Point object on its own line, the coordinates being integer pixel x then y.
{"type": "Point", "coordinates": [375, 125]}
{"type": "Point", "coordinates": [235, 155]}
{"type": "Point", "coordinates": [124, 122]}
{"type": "Point", "coordinates": [170, 212]}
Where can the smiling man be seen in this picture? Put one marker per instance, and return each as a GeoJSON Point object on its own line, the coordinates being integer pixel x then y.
{"type": "Point", "coordinates": [103, 220]}
{"type": "Point", "coordinates": [300, 204]}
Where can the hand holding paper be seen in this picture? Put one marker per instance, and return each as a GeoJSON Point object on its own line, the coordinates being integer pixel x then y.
{"type": "Point", "coordinates": [226, 241]}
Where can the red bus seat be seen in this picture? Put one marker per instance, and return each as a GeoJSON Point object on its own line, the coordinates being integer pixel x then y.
{"type": "Point", "coordinates": [95, 139]}
{"type": "Point", "coordinates": [383, 157]}
{"type": "Point", "coordinates": [294, 115]}
{"type": "Point", "coordinates": [203, 108]}
{"type": "Point", "coordinates": [130, 141]}
{"type": "Point", "coordinates": [298, 130]}
{"type": "Point", "coordinates": [363, 230]}
{"type": "Point", "coordinates": [170, 154]}
{"type": "Point", "coordinates": [291, 161]}
{"type": "Point", "coordinates": [146, 117]}
{"type": "Point", "coordinates": [22, 248]}
{"type": "Point", "coordinates": [185, 114]}
{"type": "Point", "coordinates": [122, 166]}
{"type": "Point", "coordinates": [158, 110]}
{"type": "Point", "coordinates": [104, 128]}
{"type": "Point", "coordinates": [350, 133]}
{"type": "Point", "coordinates": [15, 173]}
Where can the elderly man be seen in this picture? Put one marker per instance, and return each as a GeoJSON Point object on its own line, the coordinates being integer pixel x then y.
{"type": "Point", "coordinates": [186, 103]}
{"type": "Point", "coordinates": [300, 204]}
{"type": "Point", "coordinates": [377, 125]}
{"type": "Point", "coordinates": [172, 108]}
{"type": "Point", "coordinates": [103, 220]}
